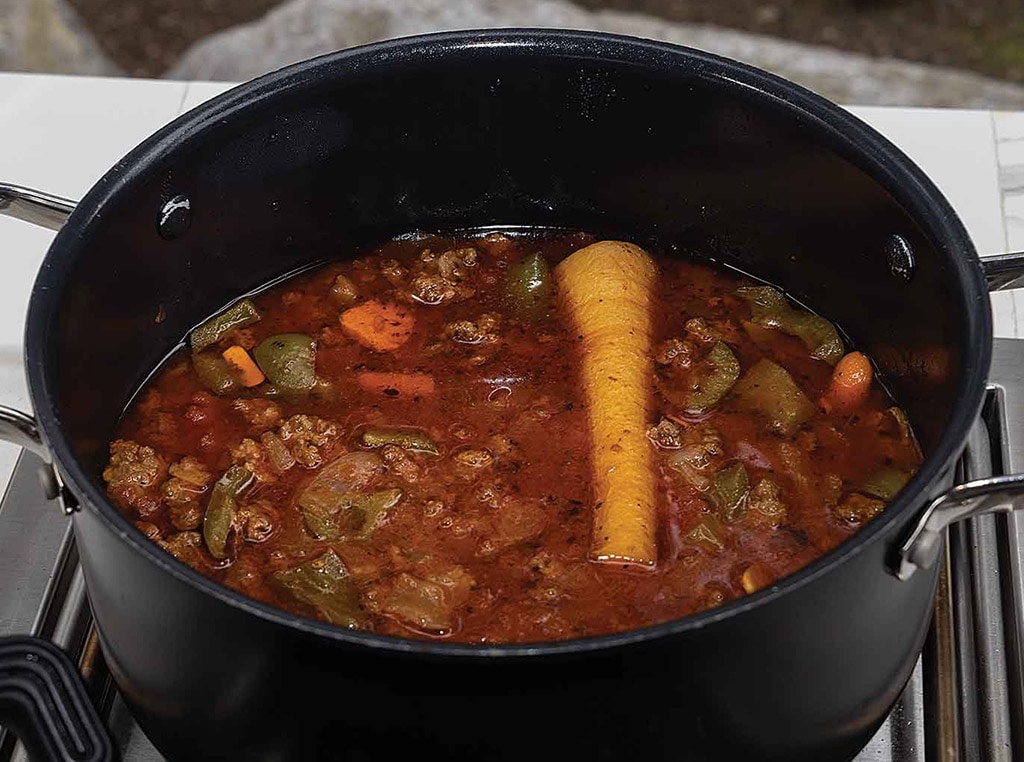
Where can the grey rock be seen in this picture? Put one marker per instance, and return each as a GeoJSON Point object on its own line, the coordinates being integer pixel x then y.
{"type": "Point", "coordinates": [301, 29]}
{"type": "Point", "coordinates": [48, 36]}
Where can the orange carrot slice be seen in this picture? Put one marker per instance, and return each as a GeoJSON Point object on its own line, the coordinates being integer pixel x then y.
{"type": "Point", "coordinates": [249, 373]}
{"type": "Point", "coordinates": [383, 327]}
{"type": "Point", "coordinates": [850, 385]}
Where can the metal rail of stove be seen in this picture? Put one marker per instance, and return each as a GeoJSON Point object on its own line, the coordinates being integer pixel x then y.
{"type": "Point", "coordinates": [964, 701]}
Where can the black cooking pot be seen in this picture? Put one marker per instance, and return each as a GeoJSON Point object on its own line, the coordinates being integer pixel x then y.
{"type": "Point", "coordinates": [654, 143]}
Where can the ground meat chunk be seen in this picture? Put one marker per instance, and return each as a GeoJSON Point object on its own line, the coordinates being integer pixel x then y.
{"type": "Point", "coordinates": [765, 504]}
{"type": "Point", "coordinates": [152, 531]}
{"type": "Point", "coordinates": [498, 244]}
{"type": "Point", "coordinates": [832, 488]}
{"type": "Point", "coordinates": [134, 476]}
{"type": "Point", "coordinates": [519, 519]}
{"type": "Point", "coordinates": [399, 463]}
{"type": "Point", "coordinates": [676, 352]}
{"type": "Point", "coordinates": [184, 490]}
{"type": "Point", "coordinates": [431, 289]}
{"type": "Point", "coordinates": [667, 434]}
{"type": "Point", "coordinates": [256, 521]}
{"type": "Point", "coordinates": [489, 494]}
{"type": "Point", "coordinates": [187, 547]}
{"type": "Point", "coordinates": [858, 509]}
{"type": "Point", "coordinates": [442, 276]}
{"type": "Point", "coordinates": [188, 471]}
{"type": "Point", "coordinates": [260, 414]}
{"type": "Point", "coordinates": [254, 457]}
{"type": "Point", "coordinates": [700, 455]}
{"type": "Point", "coordinates": [344, 291]}
{"type": "Point", "coordinates": [188, 516]}
{"type": "Point", "coordinates": [484, 330]}
{"type": "Point", "coordinates": [393, 271]}
{"type": "Point", "coordinates": [452, 264]}
{"type": "Point", "coordinates": [308, 438]}
{"type": "Point", "coordinates": [558, 577]}
{"type": "Point", "coordinates": [698, 329]}
{"type": "Point", "coordinates": [202, 407]}
{"type": "Point", "coordinates": [278, 454]}
{"type": "Point", "coordinates": [433, 508]}
{"type": "Point", "coordinates": [474, 458]}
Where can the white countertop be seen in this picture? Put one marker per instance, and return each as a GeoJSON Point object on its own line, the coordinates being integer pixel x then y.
{"type": "Point", "coordinates": [60, 134]}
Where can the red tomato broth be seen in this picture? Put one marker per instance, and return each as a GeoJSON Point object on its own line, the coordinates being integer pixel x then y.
{"type": "Point", "coordinates": [502, 545]}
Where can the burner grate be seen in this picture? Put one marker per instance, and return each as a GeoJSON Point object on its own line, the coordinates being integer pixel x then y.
{"type": "Point", "coordinates": [964, 700]}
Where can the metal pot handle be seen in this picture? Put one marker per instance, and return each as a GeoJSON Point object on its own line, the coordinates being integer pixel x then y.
{"type": "Point", "coordinates": [992, 494]}
{"type": "Point", "coordinates": [20, 429]}
{"type": "Point", "coordinates": [34, 206]}
{"type": "Point", "coordinates": [987, 494]}
{"type": "Point", "coordinates": [48, 211]}
{"type": "Point", "coordinates": [42, 696]}
{"type": "Point", "coordinates": [1005, 271]}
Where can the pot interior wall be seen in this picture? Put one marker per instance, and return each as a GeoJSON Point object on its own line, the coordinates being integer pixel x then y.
{"type": "Point", "coordinates": [661, 151]}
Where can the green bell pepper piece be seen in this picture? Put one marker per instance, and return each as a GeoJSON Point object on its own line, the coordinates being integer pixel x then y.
{"type": "Point", "coordinates": [528, 287]}
{"type": "Point", "coordinates": [729, 490]}
{"type": "Point", "coordinates": [710, 388]}
{"type": "Point", "coordinates": [325, 584]}
{"type": "Point", "coordinates": [770, 390]}
{"type": "Point", "coordinates": [771, 310]}
{"type": "Point", "coordinates": [288, 360]}
{"type": "Point", "coordinates": [220, 511]}
{"type": "Point", "coordinates": [354, 514]}
{"type": "Point", "coordinates": [238, 315]}
{"type": "Point", "coordinates": [884, 483]}
{"type": "Point", "coordinates": [215, 373]}
{"type": "Point", "coordinates": [408, 439]}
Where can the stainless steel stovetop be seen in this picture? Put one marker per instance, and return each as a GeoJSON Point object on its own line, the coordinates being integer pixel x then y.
{"type": "Point", "coordinates": [965, 700]}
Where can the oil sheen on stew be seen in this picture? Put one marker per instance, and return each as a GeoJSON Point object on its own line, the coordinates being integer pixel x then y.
{"type": "Point", "coordinates": [508, 438]}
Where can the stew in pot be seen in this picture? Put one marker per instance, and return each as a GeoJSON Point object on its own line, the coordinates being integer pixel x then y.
{"type": "Point", "coordinates": [508, 438]}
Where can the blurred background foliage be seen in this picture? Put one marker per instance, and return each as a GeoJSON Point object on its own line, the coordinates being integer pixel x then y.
{"type": "Point", "coordinates": [145, 37]}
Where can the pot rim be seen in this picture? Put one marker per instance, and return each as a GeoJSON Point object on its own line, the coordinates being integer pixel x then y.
{"type": "Point", "coordinates": [862, 145]}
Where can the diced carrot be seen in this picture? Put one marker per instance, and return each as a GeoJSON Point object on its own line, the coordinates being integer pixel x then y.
{"type": "Point", "coordinates": [608, 290]}
{"type": "Point", "coordinates": [383, 327]}
{"type": "Point", "coordinates": [397, 385]}
{"type": "Point", "coordinates": [249, 373]}
{"type": "Point", "coordinates": [850, 385]}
